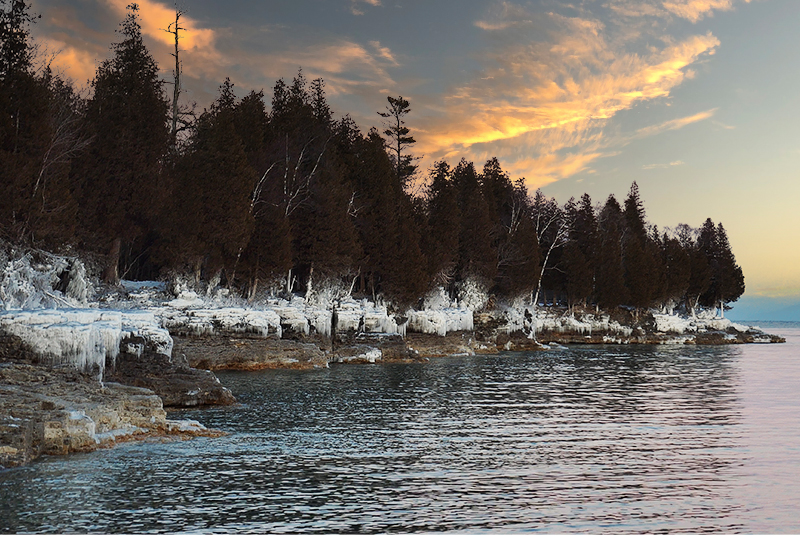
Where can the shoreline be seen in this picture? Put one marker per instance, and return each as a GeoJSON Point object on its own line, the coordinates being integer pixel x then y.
{"type": "Point", "coordinates": [81, 401]}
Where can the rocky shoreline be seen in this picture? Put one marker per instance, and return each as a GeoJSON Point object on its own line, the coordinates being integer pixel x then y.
{"type": "Point", "coordinates": [132, 366]}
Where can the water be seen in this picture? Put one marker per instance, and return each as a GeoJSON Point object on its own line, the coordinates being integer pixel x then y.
{"type": "Point", "coordinates": [588, 439]}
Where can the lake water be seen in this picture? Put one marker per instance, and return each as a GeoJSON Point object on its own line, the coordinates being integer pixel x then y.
{"type": "Point", "coordinates": [585, 439]}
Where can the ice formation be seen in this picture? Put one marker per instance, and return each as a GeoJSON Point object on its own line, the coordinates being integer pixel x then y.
{"type": "Point", "coordinates": [83, 338]}
{"type": "Point", "coordinates": [27, 284]}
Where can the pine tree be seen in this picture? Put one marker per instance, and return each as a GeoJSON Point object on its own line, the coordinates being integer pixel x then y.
{"type": "Point", "coordinates": [638, 261]}
{"type": "Point", "coordinates": [121, 169]}
{"type": "Point", "coordinates": [610, 284]}
{"type": "Point", "coordinates": [678, 270]}
{"type": "Point", "coordinates": [399, 139]}
{"type": "Point", "coordinates": [726, 277]}
{"type": "Point", "coordinates": [580, 253]}
{"type": "Point", "coordinates": [217, 185]}
{"type": "Point", "coordinates": [444, 225]}
{"type": "Point", "coordinates": [477, 257]}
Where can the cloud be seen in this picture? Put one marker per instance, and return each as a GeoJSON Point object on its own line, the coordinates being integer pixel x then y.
{"type": "Point", "coordinates": [356, 10]}
{"type": "Point", "coordinates": [253, 57]}
{"type": "Point", "coordinates": [543, 100]}
{"type": "Point", "coordinates": [675, 124]}
{"type": "Point", "coordinates": [691, 10]}
{"type": "Point", "coordinates": [664, 166]}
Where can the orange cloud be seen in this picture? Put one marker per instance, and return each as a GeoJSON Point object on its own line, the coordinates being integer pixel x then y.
{"type": "Point", "coordinates": [692, 10]}
{"type": "Point", "coordinates": [541, 106]}
{"type": "Point", "coordinates": [68, 60]}
{"type": "Point", "coordinates": [675, 124]}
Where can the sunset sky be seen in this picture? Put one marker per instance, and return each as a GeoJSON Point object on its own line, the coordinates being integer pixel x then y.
{"type": "Point", "coordinates": [696, 100]}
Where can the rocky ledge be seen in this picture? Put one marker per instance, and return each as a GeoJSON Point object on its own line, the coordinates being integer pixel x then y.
{"type": "Point", "coordinates": [60, 410]}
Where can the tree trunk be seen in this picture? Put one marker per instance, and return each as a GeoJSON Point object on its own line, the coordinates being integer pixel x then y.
{"type": "Point", "coordinates": [111, 271]}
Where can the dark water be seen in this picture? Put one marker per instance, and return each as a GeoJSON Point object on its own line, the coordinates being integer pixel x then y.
{"type": "Point", "coordinates": [587, 439]}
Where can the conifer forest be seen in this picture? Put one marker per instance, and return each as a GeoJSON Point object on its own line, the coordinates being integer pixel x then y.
{"type": "Point", "coordinates": [274, 191]}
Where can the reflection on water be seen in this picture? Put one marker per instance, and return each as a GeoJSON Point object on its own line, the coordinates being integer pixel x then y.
{"type": "Point", "coordinates": [593, 439]}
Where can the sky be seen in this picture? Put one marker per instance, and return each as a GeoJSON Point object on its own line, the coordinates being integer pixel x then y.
{"type": "Point", "coordinates": [698, 101]}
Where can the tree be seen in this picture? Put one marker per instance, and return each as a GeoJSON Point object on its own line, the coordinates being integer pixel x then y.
{"type": "Point", "coordinates": [399, 139]}
{"type": "Point", "coordinates": [518, 259]}
{"type": "Point", "coordinates": [121, 169]}
{"type": "Point", "coordinates": [477, 258]}
{"type": "Point", "coordinates": [15, 48]}
{"type": "Point", "coordinates": [41, 130]}
{"type": "Point", "coordinates": [444, 225]}
{"type": "Point", "coordinates": [181, 118]}
{"type": "Point", "coordinates": [727, 280]}
{"type": "Point", "coordinates": [609, 283]}
{"type": "Point", "coordinates": [216, 183]}
{"type": "Point", "coordinates": [678, 270]}
{"type": "Point", "coordinates": [638, 261]}
{"type": "Point", "coordinates": [581, 251]}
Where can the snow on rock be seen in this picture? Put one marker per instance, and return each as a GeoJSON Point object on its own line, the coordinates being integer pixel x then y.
{"type": "Point", "coordinates": [53, 282]}
{"type": "Point", "coordinates": [472, 294]}
{"type": "Point", "coordinates": [440, 322]}
{"type": "Point", "coordinates": [207, 321]}
{"type": "Point", "coordinates": [703, 321]}
{"type": "Point", "coordinates": [438, 299]}
{"type": "Point", "coordinates": [83, 338]}
{"type": "Point", "coordinates": [521, 318]}
{"type": "Point", "coordinates": [145, 324]}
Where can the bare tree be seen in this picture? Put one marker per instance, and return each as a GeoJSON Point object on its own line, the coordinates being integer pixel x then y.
{"type": "Point", "coordinates": [552, 228]}
{"type": "Point", "coordinates": [182, 118]}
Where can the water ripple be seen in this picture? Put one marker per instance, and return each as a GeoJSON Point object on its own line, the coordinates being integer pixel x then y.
{"type": "Point", "coordinates": [589, 439]}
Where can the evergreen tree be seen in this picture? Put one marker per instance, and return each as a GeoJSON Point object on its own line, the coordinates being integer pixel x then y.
{"type": "Point", "coordinates": [444, 225]}
{"type": "Point", "coordinates": [15, 46]}
{"type": "Point", "coordinates": [121, 169]}
{"type": "Point", "coordinates": [399, 139]}
{"type": "Point", "coordinates": [580, 253]}
{"type": "Point", "coordinates": [638, 262]}
{"type": "Point", "coordinates": [610, 284]}
{"type": "Point", "coordinates": [216, 185]}
{"type": "Point", "coordinates": [699, 268]}
{"type": "Point", "coordinates": [726, 281]}
{"type": "Point", "coordinates": [477, 257]}
{"type": "Point", "coordinates": [678, 270]}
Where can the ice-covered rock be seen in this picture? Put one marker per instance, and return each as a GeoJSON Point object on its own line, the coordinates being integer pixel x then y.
{"type": "Point", "coordinates": [84, 338]}
{"type": "Point", "coordinates": [440, 322]}
{"type": "Point", "coordinates": [206, 321]}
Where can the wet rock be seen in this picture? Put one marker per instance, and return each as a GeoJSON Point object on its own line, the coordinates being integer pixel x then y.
{"type": "Point", "coordinates": [357, 353]}
{"type": "Point", "coordinates": [170, 377]}
{"type": "Point", "coordinates": [59, 411]}
{"type": "Point", "coordinates": [250, 353]}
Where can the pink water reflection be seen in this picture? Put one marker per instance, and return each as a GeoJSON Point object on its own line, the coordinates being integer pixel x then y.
{"type": "Point", "coordinates": [770, 393]}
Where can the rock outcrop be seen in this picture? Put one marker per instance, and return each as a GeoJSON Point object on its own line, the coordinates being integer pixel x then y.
{"type": "Point", "coordinates": [46, 410]}
{"type": "Point", "coordinates": [140, 364]}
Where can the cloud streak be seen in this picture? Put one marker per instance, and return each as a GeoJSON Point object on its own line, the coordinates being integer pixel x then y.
{"type": "Point", "coordinates": [542, 103]}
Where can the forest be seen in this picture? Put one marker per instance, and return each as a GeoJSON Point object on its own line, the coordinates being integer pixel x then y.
{"type": "Point", "coordinates": [271, 193]}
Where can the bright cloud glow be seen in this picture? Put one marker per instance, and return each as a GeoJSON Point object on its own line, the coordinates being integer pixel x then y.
{"type": "Point", "coordinates": [541, 105]}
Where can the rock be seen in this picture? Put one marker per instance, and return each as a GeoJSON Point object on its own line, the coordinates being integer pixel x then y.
{"type": "Point", "coordinates": [141, 365]}
{"type": "Point", "coordinates": [58, 411]}
{"type": "Point", "coordinates": [250, 353]}
{"type": "Point", "coordinates": [357, 353]}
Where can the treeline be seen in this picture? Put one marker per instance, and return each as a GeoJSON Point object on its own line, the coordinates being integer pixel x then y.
{"type": "Point", "coordinates": [288, 197]}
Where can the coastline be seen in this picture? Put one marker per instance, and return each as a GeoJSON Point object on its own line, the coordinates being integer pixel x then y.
{"type": "Point", "coordinates": [164, 357]}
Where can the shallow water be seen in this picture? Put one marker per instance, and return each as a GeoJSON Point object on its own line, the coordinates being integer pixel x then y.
{"type": "Point", "coordinates": [586, 439]}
